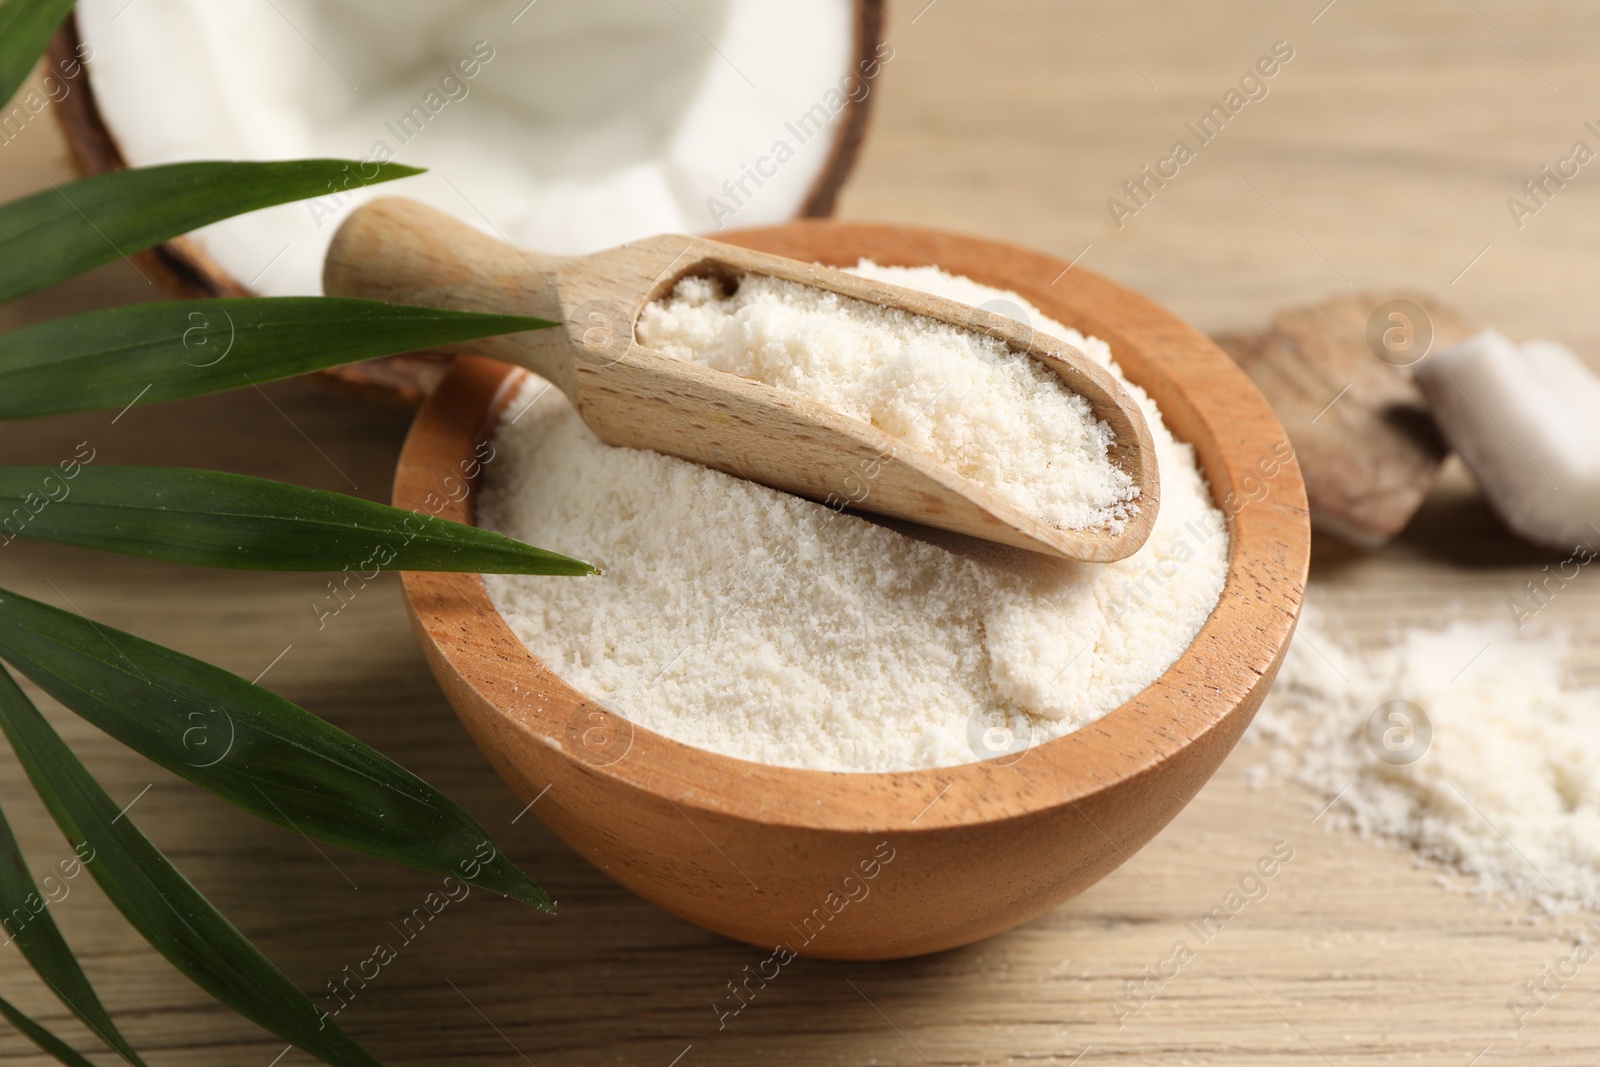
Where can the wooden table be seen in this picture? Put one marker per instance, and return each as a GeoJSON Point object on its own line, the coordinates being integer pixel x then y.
{"type": "Point", "coordinates": [1383, 155]}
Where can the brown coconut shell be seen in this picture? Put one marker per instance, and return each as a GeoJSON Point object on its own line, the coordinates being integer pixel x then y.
{"type": "Point", "coordinates": [181, 268]}
{"type": "Point", "coordinates": [1361, 428]}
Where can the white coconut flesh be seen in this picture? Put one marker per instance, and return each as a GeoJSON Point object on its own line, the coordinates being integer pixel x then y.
{"type": "Point", "coordinates": [562, 125]}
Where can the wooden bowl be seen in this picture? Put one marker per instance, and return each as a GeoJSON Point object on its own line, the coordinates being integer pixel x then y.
{"type": "Point", "coordinates": [873, 866]}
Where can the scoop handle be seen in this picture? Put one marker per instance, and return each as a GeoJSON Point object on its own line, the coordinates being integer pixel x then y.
{"type": "Point", "coordinates": [406, 252]}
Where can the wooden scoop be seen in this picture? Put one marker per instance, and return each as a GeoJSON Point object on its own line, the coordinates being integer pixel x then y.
{"type": "Point", "coordinates": [404, 252]}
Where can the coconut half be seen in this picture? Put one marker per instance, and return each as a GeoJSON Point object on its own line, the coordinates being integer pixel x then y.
{"type": "Point", "coordinates": [559, 125]}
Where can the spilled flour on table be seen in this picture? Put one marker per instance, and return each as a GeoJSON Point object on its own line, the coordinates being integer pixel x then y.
{"type": "Point", "coordinates": [1506, 790]}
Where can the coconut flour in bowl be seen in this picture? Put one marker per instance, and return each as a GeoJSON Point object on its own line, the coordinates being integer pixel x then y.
{"type": "Point", "coordinates": [764, 626]}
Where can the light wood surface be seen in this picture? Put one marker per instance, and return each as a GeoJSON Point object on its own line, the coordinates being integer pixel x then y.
{"type": "Point", "coordinates": [632, 395]}
{"type": "Point", "coordinates": [1392, 141]}
{"type": "Point", "coordinates": [978, 848]}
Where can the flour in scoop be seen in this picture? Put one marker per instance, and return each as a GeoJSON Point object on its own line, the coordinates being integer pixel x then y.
{"type": "Point", "coordinates": [1002, 419]}
{"type": "Point", "coordinates": [764, 626]}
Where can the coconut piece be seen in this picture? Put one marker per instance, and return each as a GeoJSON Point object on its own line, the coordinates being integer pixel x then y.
{"type": "Point", "coordinates": [564, 127]}
{"type": "Point", "coordinates": [1526, 419]}
{"type": "Point", "coordinates": [1338, 375]}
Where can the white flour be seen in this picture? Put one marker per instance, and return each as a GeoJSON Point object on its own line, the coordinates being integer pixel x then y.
{"type": "Point", "coordinates": [1508, 789]}
{"type": "Point", "coordinates": [760, 625]}
{"type": "Point", "coordinates": [1003, 420]}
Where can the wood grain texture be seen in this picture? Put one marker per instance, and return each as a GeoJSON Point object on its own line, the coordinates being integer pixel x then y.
{"type": "Point", "coordinates": [632, 395]}
{"type": "Point", "coordinates": [1392, 141]}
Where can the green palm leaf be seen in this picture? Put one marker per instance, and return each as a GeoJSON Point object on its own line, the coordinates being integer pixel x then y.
{"type": "Point", "coordinates": [71, 228]}
{"type": "Point", "coordinates": [157, 900]}
{"type": "Point", "coordinates": [29, 923]}
{"type": "Point", "coordinates": [25, 29]}
{"type": "Point", "coordinates": [251, 747]}
{"type": "Point", "coordinates": [149, 352]}
{"type": "Point", "coordinates": [212, 519]}
{"type": "Point", "coordinates": [42, 1037]}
